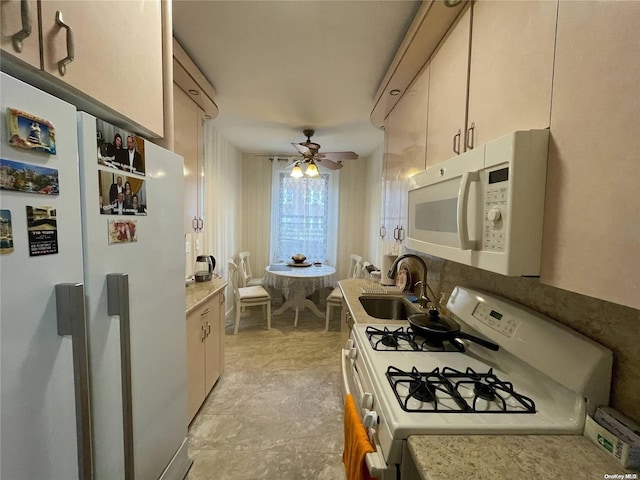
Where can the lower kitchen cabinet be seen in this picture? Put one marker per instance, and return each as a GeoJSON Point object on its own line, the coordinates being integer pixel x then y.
{"type": "Point", "coordinates": [205, 350]}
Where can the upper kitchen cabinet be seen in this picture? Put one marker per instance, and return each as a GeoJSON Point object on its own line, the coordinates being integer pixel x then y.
{"type": "Point", "coordinates": [592, 209]}
{"type": "Point", "coordinates": [107, 55]}
{"type": "Point", "coordinates": [20, 34]}
{"type": "Point", "coordinates": [511, 68]}
{"type": "Point", "coordinates": [193, 103]}
{"type": "Point", "coordinates": [448, 93]}
{"type": "Point", "coordinates": [491, 75]}
{"type": "Point", "coordinates": [405, 148]}
{"type": "Point", "coordinates": [188, 142]}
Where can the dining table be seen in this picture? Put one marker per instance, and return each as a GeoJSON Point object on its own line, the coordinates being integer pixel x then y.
{"type": "Point", "coordinates": [297, 282]}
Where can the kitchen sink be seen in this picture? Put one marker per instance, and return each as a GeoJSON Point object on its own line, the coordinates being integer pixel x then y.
{"type": "Point", "coordinates": [388, 307]}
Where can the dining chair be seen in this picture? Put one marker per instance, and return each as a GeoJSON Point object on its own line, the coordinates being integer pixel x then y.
{"type": "Point", "coordinates": [248, 297]}
{"type": "Point", "coordinates": [335, 297]}
{"type": "Point", "coordinates": [247, 276]}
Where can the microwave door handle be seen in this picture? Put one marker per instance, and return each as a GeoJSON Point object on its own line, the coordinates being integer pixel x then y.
{"type": "Point", "coordinates": [463, 203]}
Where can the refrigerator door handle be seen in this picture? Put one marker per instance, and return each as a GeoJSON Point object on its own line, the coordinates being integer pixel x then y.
{"type": "Point", "coordinates": [72, 321]}
{"type": "Point", "coordinates": [118, 304]}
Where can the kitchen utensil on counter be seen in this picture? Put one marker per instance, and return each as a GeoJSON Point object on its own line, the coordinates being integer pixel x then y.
{"type": "Point", "coordinates": [204, 268]}
{"type": "Point", "coordinates": [435, 327]}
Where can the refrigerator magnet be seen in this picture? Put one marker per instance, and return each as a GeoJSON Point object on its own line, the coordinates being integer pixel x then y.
{"type": "Point", "coordinates": [6, 232]}
{"type": "Point", "coordinates": [28, 178]}
{"type": "Point", "coordinates": [42, 229]}
{"type": "Point", "coordinates": [123, 231]}
{"type": "Point", "coordinates": [30, 132]}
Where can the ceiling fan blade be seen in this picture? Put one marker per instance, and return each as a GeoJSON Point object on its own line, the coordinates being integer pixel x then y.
{"type": "Point", "coordinates": [302, 148]}
{"type": "Point", "coordinates": [340, 156]}
{"type": "Point", "coordinates": [328, 164]}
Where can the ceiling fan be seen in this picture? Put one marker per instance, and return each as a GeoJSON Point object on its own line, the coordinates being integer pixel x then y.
{"type": "Point", "coordinates": [310, 152]}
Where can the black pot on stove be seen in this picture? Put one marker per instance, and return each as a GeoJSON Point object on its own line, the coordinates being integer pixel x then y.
{"type": "Point", "coordinates": [434, 327]}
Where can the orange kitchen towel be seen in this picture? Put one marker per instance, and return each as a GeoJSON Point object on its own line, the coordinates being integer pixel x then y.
{"type": "Point", "coordinates": [356, 443]}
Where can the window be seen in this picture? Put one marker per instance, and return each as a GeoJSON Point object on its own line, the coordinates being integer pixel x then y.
{"type": "Point", "coordinates": [303, 218]}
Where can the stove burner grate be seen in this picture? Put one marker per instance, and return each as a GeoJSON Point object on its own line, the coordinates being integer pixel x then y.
{"type": "Point", "coordinates": [426, 392]}
{"type": "Point", "coordinates": [394, 340]}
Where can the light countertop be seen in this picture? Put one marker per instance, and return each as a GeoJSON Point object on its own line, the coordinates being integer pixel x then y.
{"type": "Point", "coordinates": [495, 457]}
{"type": "Point", "coordinates": [199, 292]}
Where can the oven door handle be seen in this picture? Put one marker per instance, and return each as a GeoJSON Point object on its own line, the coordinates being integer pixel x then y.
{"type": "Point", "coordinates": [375, 464]}
{"type": "Point", "coordinates": [345, 366]}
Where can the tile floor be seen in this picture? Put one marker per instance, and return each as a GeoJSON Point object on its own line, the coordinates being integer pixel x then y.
{"type": "Point", "coordinates": [276, 412]}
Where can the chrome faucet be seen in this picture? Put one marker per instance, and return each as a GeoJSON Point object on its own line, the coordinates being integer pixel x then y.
{"type": "Point", "coordinates": [424, 300]}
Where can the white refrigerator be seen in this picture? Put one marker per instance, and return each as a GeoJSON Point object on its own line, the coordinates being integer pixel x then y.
{"type": "Point", "coordinates": [92, 313]}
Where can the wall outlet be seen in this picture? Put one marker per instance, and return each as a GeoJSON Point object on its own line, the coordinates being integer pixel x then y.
{"type": "Point", "coordinates": [197, 244]}
{"type": "Point", "coordinates": [187, 247]}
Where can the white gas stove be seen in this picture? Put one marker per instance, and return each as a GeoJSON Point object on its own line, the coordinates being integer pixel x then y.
{"type": "Point", "coordinates": [544, 378]}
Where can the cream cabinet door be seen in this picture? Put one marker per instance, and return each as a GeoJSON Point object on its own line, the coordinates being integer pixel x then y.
{"type": "Point", "coordinates": [511, 67]}
{"type": "Point", "coordinates": [19, 27]}
{"type": "Point", "coordinates": [449, 68]}
{"type": "Point", "coordinates": [406, 145]}
{"type": "Point", "coordinates": [195, 362]}
{"type": "Point", "coordinates": [212, 344]}
{"type": "Point", "coordinates": [117, 50]}
{"type": "Point", "coordinates": [187, 125]}
{"type": "Point", "coordinates": [592, 207]}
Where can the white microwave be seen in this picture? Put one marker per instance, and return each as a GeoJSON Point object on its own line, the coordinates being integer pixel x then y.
{"type": "Point", "coordinates": [484, 208]}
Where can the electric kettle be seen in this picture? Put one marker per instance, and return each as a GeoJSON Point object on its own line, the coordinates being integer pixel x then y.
{"type": "Point", "coordinates": [204, 268]}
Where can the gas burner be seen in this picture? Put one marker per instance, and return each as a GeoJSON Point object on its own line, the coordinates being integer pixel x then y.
{"type": "Point", "coordinates": [389, 341]}
{"type": "Point", "coordinates": [403, 339]}
{"type": "Point", "coordinates": [484, 391]}
{"type": "Point", "coordinates": [422, 391]}
{"type": "Point", "coordinates": [451, 391]}
{"type": "Point", "coordinates": [393, 340]}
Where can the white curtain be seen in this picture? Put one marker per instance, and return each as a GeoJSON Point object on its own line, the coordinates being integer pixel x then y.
{"type": "Point", "coordinates": [223, 199]}
{"type": "Point", "coordinates": [304, 217]}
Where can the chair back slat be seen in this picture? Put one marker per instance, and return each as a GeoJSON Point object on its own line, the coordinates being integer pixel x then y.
{"type": "Point", "coordinates": [245, 268]}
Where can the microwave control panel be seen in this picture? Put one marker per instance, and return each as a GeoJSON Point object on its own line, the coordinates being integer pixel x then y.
{"type": "Point", "coordinates": [496, 209]}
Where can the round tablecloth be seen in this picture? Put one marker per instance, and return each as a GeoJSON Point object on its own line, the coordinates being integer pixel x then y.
{"type": "Point", "coordinates": [299, 282]}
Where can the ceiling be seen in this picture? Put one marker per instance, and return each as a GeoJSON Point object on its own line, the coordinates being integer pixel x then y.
{"type": "Point", "coordinates": [281, 66]}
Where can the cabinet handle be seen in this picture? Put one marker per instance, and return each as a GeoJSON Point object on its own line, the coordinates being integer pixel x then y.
{"type": "Point", "coordinates": [208, 329]}
{"type": "Point", "coordinates": [26, 26]}
{"type": "Point", "coordinates": [222, 299]}
{"type": "Point", "coordinates": [206, 312]}
{"type": "Point", "coordinates": [383, 232]}
{"type": "Point", "coordinates": [470, 135]}
{"type": "Point", "coordinates": [200, 224]}
{"type": "Point", "coordinates": [194, 223]}
{"type": "Point", "coordinates": [395, 233]}
{"type": "Point", "coordinates": [401, 234]}
{"type": "Point", "coordinates": [203, 333]}
{"type": "Point", "coordinates": [62, 64]}
{"type": "Point", "coordinates": [456, 142]}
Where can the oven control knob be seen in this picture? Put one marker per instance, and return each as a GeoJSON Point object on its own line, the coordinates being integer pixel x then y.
{"type": "Point", "coordinates": [367, 401]}
{"type": "Point", "coordinates": [351, 353]}
{"type": "Point", "coordinates": [370, 419]}
{"type": "Point", "coordinates": [493, 215]}
{"type": "Point", "coordinates": [349, 345]}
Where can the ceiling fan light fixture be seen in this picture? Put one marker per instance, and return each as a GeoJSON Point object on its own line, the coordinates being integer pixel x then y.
{"type": "Point", "coordinates": [297, 171]}
{"type": "Point", "coordinates": [312, 170]}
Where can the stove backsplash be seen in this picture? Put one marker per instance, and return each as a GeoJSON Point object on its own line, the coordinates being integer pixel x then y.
{"type": "Point", "coordinates": [615, 326]}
